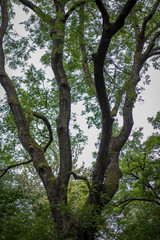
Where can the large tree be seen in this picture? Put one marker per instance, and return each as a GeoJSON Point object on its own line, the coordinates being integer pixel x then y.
{"type": "Point", "coordinates": [98, 51]}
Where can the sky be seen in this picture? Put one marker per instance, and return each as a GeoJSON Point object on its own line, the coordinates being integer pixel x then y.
{"type": "Point", "coordinates": [142, 110]}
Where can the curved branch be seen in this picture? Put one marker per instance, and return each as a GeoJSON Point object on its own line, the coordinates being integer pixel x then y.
{"type": "Point", "coordinates": [157, 26]}
{"type": "Point", "coordinates": [77, 177]}
{"type": "Point", "coordinates": [150, 15]}
{"type": "Point", "coordinates": [37, 10]}
{"type": "Point", "coordinates": [154, 53]}
{"type": "Point", "coordinates": [118, 142]}
{"type": "Point", "coordinates": [127, 201]}
{"type": "Point", "coordinates": [109, 30]}
{"type": "Point", "coordinates": [121, 92]}
{"type": "Point", "coordinates": [85, 65]}
{"type": "Point", "coordinates": [151, 45]}
{"type": "Point", "coordinates": [12, 166]}
{"type": "Point", "coordinates": [29, 4]}
{"type": "Point", "coordinates": [40, 116]}
{"type": "Point", "coordinates": [66, 16]}
{"type": "Point", "coordinates": [103, 11]}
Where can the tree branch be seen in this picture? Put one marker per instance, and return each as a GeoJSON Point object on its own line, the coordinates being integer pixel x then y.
{"type": "Point", "coordinates": [30, 5]}
{"type": "Point", "coordinates": [154, 54]}
{"type": "Point", "coordinates": [12, 166]}
{"type": "Point", "coordinates": [4, 23]}
{"type": "Point", "coordinates": [135, 20]}
{"type": "Point", "coordinates": [28, 143]}
{"type": "Point", "coordinates": [118, 101]}
{"type": "Point", "coordinates": [152, 30]}
{"type": "Point", "coordinates": [85, 66]}
{"type": "Point", "coordinates": [151, 45]}
{"type": "Point", "coordinates": [103, 11]}
{"type": "Point", "coordinates": [77, 177]}
{"type": "Point", "coordinates": [127, 201]}
{"type": "Point", "coordinates": [118, 142]}
{"type": "Point", "coordinates": [150, 15]}
{"type": "Point", "coordinates": [109, 30]}
{"type": "Point", "coordinates": [40, 116]}
{"type": "Point", "coordinates": [3, 28]}
{"type": "Point", "coordinates": [123, 14]}
{"type": "Point", "coordinates": [63, 119]}
{"type": "Point", "coordinates": [37, 10]}
{"type": "Point", "coordinates": [66, 16]}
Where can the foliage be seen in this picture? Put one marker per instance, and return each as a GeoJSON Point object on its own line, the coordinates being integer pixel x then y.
{"type": "Point", "coordinates": [134, 211]}
{"type": "Point", "coordinates": [24, 210]}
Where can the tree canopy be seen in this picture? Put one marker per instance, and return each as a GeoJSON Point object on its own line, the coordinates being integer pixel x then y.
{"type": "Point", "coordinates": [91, 52]}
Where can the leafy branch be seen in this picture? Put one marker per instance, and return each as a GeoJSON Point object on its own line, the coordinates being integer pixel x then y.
{"type": "Point", "coordinates": [5, 170]}
{"type": "Point", "coordinates": [127, 201]}
{"type": "Point", "coordinates": [40, 116]}
{"type": "Point", "coordinates": [66, 16]}
{"type": "Point", "coordinates": [150, 15]}
{"type": "Point", "coordinates": [37, 10]}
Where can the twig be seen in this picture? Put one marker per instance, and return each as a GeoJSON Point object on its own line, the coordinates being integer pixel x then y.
{"type": "Point", "coordinates": [77, 177]}
{"type": "Point", "coordinates": [127, 201]}
{"type": "Point", "coordinates": [40, 116]}
{"type": "Point", "coordinates": [72, 9]}
{"type": "Point", "coordinates": [12, 166]}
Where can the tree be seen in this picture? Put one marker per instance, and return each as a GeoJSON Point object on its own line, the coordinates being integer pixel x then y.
{"type": "Point", "coordinates": [98, 52]}
{"type": "Point", "coordinates": [134, 211]}
{"type": "Point", "coordinates": [24, 210]}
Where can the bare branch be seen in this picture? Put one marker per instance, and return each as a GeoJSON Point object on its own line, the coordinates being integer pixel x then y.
{"type": "Point", "coordinates": [35, 151]}
{"type": "Point", "coordinates": [77, 177]}
{"type": "Point", "coordinates": [103, 11]}
{"type": "Point", "coordinates": [40, 116]}
{"type": "Point", "coordinates": [118, 142]}
{"type": "Point", "coordinates": [37, 10]}
{"type": "Point", "coordinates": [151, 45]}
{"type": "Point", "coordinates": [127, 201]}
{"type": "Point", "coordinates": [150, 15]}
{"type": "Point", "coordinates": [120, 68]}
{"type": "Point", "coordinates": [12, 166]}
{"type": "Point", "coordinates": [114, 111]}
{"type": "Point", "coordinates": [123, 14]}
{"type": "Point", "coordinates": [154, 54]}
{"type": "Point", "coordinates": [118, 99]}
{"type": "Point", "coordinates": [29, 4]}
{"type": "Point", "coordinates": [152, 30]}
{"type": "Point", "coordinates": [155, 51]}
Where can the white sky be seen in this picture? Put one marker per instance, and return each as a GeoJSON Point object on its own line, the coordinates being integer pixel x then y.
{"type": "Point", "coordinates": [151, 104]}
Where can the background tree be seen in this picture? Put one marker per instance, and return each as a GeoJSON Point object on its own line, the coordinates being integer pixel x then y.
{"type": "Point", "coordinates": [98, 52]}
{"type": "Point", "coordinates": [134, 211]}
